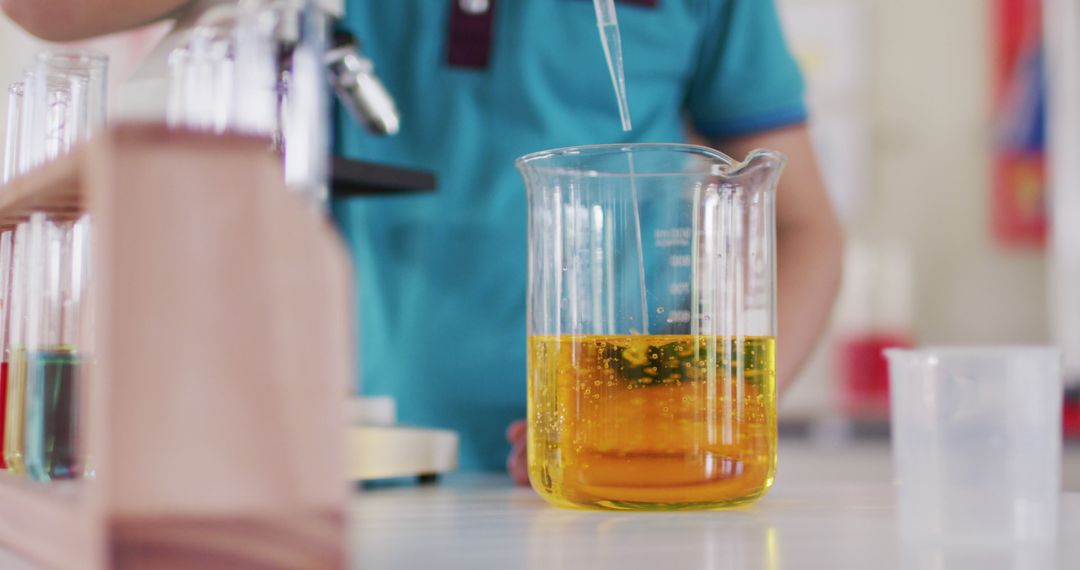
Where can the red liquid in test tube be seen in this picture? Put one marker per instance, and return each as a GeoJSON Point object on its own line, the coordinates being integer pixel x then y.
{"type": "Point", "coordinates": [3, 409]}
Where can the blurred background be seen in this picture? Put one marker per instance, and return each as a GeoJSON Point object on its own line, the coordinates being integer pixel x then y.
{"type": "Point", "coordinates": [929, 122]}
{"type": "Point", "coordinates": [907, 114]}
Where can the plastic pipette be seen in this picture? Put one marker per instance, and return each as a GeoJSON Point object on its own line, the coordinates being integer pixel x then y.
{"type": "Point", "coordinates": [610, 39]}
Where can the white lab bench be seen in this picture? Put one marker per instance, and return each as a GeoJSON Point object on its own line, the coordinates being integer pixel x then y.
{"type": "Point", "coordinates": [831, 508]}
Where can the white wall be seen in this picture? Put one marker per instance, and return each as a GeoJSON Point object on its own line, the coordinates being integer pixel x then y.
{"type": "Point", "coordinates": [1062, 21]}
{"type": "Point", "coordinates": [927, 104]}
{"type": "Point", "coordinates": [17, 48]}
{"type": "Point", "coordinates": [932, 180]}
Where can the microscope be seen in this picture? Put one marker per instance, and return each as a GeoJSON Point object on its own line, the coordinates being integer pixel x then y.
{"type": "Point", "coordinates": [148, 94]}
{"type": "Point", "coordinates": [274, 59]}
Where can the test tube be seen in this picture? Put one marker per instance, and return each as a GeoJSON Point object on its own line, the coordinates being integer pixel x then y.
{"type": "Point", "coordinates": [202, 75]}
{"type": "Point", "coordinates": [15, 351]}
{"type": "Point", "coordinates": [87, 68]}
{"type": "Point", "coordinates": [52, 114]}
{"type": "Point", "coordinates": [13, 134]}
{"type": "Point", "coordinates": [259, 81]}
{"type": "Point", "coordinates": [213, 51]}
{"type": "Point", "coordinates": [6, 237]}
{"type": "Point", "coordinates": [12, 149]}
{"type": "Point", "coordinates": [25, 158]}
{"type": "Point", "coordinates": [52, 358]}
{"type": "Point", "coordinates": [281, 87]}
{"type": "Point", "coordinates": [66, 105]}
{"type": "Point", "coordinates": [63, 103]}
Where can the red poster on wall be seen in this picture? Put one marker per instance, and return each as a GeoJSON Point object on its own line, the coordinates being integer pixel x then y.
{"type": "Point", "coordinates": [1019, 202]}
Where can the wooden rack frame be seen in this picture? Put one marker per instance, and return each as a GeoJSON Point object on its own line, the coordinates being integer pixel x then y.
{"type": "Point", "coordinates": [213, 407]}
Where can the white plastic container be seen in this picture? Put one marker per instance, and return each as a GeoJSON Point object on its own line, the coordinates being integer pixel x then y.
{"type": "Point", "coordinates": [976, 438]}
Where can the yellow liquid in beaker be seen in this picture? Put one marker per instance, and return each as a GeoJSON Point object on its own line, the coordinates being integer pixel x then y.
{"type": "Point", "coordinates": [651, 422]}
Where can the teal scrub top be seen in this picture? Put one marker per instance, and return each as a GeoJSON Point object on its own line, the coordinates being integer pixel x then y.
{"type": "Point", "coordinates": [440, 277]}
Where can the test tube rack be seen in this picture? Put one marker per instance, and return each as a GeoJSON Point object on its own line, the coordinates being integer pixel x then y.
{"type": "Point", "coordinates": [213, 407]}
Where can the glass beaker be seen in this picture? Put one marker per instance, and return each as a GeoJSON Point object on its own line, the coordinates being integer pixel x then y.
{"type": "Point", "coordinates": [651, 324]}
{"type": "Point", "coordinates": [976, 440]}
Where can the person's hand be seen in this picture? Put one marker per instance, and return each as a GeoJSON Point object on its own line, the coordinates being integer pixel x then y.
{"type": "Point", "coordinates": [67, 20]}
{"type": "Point", "coordinates": [518, 462]}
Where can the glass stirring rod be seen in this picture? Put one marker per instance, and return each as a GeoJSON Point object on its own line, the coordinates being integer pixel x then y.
{"type": "Point", "coordinates": [611, 41]}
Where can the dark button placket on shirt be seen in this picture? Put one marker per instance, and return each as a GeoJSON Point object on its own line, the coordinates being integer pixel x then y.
{"type": "Point", "coordinates": [470, 37]}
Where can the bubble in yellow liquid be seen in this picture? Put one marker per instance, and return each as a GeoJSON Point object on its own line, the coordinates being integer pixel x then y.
{"type": "Point", "coordinates": [651, 422]}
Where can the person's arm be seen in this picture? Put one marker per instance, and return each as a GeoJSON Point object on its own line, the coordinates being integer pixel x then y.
{"type": "Point", "coordinates": [809, 246]}
{"type": "Point", "coordinates": [66, 20]}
